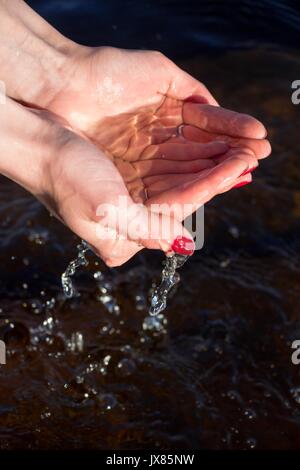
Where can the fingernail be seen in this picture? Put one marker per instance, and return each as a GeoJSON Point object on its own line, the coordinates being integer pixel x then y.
{"type": "Point", "coordinates": [249, 170]}
{"type": "Point", "coordinates": [196, 99]}
{"type": "Point", "coordinates": [183, 246]}
{"type": "Point", "coordinates": [242, 183]}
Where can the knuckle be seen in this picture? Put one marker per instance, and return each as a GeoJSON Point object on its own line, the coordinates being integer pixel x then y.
{"type": "Point", "coordinates": [113, 262]}
{"type": "Point", "coordinates": [159, 55]}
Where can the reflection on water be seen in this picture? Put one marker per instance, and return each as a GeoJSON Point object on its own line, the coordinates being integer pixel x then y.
{"type": "Point", "coordinates": [215, 370]}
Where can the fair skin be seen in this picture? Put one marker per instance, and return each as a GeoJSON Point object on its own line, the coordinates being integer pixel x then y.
{"type": "Point", "coordinates": [82, 126]}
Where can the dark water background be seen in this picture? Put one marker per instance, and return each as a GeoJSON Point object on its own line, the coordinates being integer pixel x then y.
{"type": "Point", "coordinates": [216, 372]}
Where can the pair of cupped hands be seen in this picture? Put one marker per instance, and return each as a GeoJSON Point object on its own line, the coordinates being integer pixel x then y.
{"type": "Point", "coordinates": [132, 124]}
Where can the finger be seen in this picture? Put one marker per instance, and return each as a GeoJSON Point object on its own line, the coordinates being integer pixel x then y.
{"type": "Point", "coordinates": [239, 182]}
{"type": "Point", "coordinates": [184, 150]}
{"type": "Point", "coordinates": [160, 167]}
{"type": "Point", "coordinates": [157, 185]}
{"type": "Point", "coordinates": [161, 134]}
{"type": "Point", "coordinates": [244, 154]}
{"type": "Point", "coordinates": [189, 88]}
{"type": "Point", "coordinates": [192, 195]}
{"type": "Point", "coordinates": [261, 147]}
{"type": "Point", "coordinates": [223, 121]}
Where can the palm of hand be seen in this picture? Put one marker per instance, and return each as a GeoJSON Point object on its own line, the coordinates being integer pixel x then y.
{"type": "Point", "coordinates": [166, 147]}
{"type": "Point", "coordinates": [150, 152]}
{"type": "Point", "coordinates": [135, 119]}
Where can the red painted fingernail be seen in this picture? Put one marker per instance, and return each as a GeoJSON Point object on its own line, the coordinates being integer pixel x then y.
{"type": "Point", "coordinates": [249, 170]}
{"type": "Point", "coordinates": [242, 183]}
{"type": "Point", "coordinates": [196, 99]}
{"type": "Point", "coordinates": [183, 246]}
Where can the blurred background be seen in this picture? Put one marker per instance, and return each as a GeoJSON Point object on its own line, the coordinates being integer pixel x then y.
{"type": "Point", "coordinates": [215, 370]}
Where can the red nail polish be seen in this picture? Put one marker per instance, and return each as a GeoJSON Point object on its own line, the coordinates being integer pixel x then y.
{"type": "Point", "coordinates": [242, 183]}
{"type": "Point", "coordinates": [248, 171]}
{"type": "Point", "coordinates": [183, 246]}
{"type": "Point", "coordinates": [196, 99]}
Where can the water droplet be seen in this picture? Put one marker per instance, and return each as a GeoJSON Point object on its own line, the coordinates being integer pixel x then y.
{"type": "Point", "coordinates": [140, 302]}
{"type": "Point", "coordinates": [110, 303]}
{"type": "Point", "coordinates": [126, 348]}
{"type": "Point", "coordinates": [251, 442]}
{"type": "Point", "coordinates": [107, 401]}
{"type": "Point", "coordinates": [155, 324]}
{"type": "Point", "coordinates": [39, 238]}
{"type": "Point", "coordinates": [126, 367]}
{"type": "Point", "coordinates": [76, 342]}
{"type": "Point", "coordinates": [37, 306]}
{"type": "Point", "coordinates": [225, 263]}
{"type": "Point", "coordinates": [250, 414]}
{"type": "Point", "coordinates": [45, 414]}
{"type": "Point", "coordinates": [234, 231]}
{"type": "Point", "coordinates": [49, 323]}
{"type": "Point", "coordinates": [98, 276]}
{"type": "Point", "coordinates": [106, 360]}
{"type": "Point", "coordinates": [233, 395]}
{"type": "Point", "coordinates": [50, 303]}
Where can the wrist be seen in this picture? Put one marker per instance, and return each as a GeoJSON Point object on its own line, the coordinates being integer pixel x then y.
{"type": "Point", "coordinates": [28, 142]}
{"type": "Point", "coordinates": [33, 60]}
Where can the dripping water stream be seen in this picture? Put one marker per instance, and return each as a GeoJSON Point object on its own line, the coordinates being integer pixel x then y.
{"type": "Point", "coordinates": [66, 277]}
{"type": "Point", "coordinates": [169, 278]}
{"type": "Point", "coordinates": [159, 294]}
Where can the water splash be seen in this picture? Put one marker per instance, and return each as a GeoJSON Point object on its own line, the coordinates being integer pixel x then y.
{"type": "Point", "coordinates": [76, 343]}
{"type": "Point", "coordinates": [80, 260]}
{"type": "Point", "coordinates": [154, 326]}
{"type": "Point", "coordinates": [169, 278]}
{"type": "Point", "coordinates": [159, 295]}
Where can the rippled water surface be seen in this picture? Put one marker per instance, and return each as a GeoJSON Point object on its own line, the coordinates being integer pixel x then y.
{"type": "Point", "coordinates": [215, 370]}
